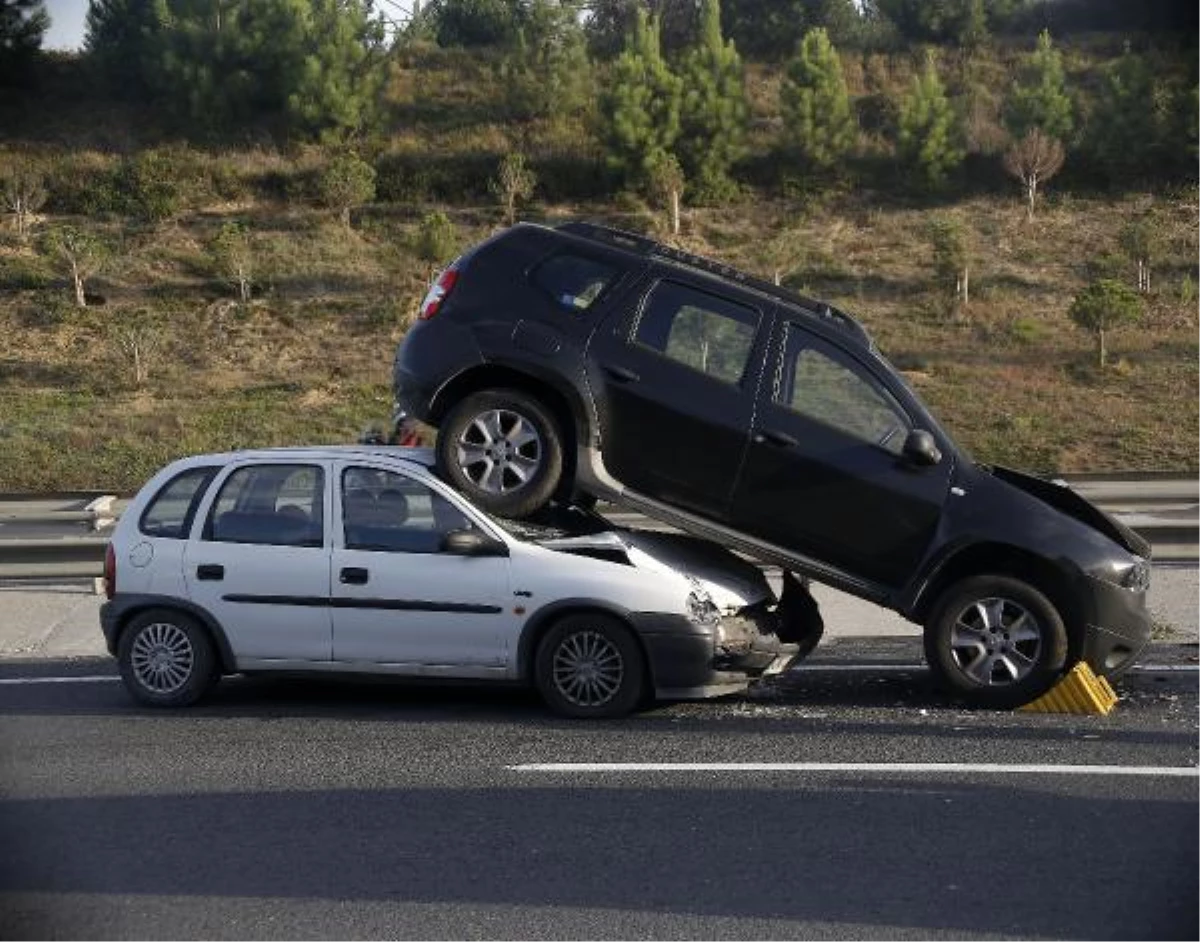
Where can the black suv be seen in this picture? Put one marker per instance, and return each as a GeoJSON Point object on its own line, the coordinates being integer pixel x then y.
{"type": "Point", "coordinates": [580, 361]}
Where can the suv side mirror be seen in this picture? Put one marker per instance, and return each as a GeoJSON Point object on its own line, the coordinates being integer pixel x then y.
{"type": "Point", "coordinates": [472, 543]}
{"type": "Point", "coordinates": [920, 448]}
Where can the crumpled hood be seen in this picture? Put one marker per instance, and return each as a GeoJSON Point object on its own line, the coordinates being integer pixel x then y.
{"type": "Point", "coordinates": [732, 582]}
{"type": "Point", "coordinates": [1064, 499]}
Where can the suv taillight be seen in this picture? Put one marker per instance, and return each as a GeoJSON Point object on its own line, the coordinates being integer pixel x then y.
{"type": "Point", "coordinates": [110, 572]}
{"type": "Point", "coordinates": [438, 293]}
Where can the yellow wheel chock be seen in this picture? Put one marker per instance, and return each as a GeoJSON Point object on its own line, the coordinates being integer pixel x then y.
{"type": "Point", "coordinates": [1080, 691]}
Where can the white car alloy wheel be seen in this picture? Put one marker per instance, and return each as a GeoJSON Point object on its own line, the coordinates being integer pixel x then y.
{"type": "Point", "coordinates": [162, 657]}
{"type": "Point", "coordinates": [589, 665]}
{"type": "Point", "coordinates": [588, 669]}
{"type": "Point", "coordinates": [167, 659]}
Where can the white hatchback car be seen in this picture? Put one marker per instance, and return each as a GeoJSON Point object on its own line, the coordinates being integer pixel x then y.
{"type": "Point", "coordinates": [360, 560]}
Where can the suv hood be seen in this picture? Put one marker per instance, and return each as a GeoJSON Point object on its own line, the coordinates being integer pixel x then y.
{"type": "Point", "coordinates": [731, 582]}
{"type": "Point", "coordinates": [1067, 501]}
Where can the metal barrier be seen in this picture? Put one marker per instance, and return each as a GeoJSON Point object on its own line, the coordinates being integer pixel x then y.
{"type": "Point", "coordinates": [63, 536]}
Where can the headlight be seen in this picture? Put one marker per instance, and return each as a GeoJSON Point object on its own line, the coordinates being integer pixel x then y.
{"type": "Point", "coordinates": [1137, 577]}
{"type": "Point", "coordinates": [701, 610]}
{"type": "Point", "coordinates": [1134, 576]}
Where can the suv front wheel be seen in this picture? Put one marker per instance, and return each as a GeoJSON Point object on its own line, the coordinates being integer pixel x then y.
{"type": "Point", "coordinates": [503, 450]}
{"type": "Point", "coordinates": [996, 640]}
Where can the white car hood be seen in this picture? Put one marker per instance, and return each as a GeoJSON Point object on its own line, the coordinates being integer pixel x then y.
{"type": "Point", "coordinates": [731, 582]}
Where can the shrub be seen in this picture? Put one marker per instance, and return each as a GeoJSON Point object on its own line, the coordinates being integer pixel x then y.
{"type": "Point", "coordinates": [1103, 305]}
{"type": "Point", "coordinates": [437, 239]}
{"type": "Point", "coordinates": [347, 182]}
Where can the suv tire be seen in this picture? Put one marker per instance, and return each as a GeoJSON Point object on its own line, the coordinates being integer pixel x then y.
{"type": "Point", "coordinates": [588, 666]}
{"type": "Point", "coordinates": [996, 641]}
{"type": "Point", "coordinates": [503, 450]}
{"type": "Point", "coordinates": [166, 658]}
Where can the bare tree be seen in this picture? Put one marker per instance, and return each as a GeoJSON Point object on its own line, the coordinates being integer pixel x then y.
{"type": "Point", "coordinates": [514, 181]}
{"type": "Point", "coordinates": [1142, 241]}
{"type": "Point", "coordinates": [783, 252]}
{"type": "Point", "coordinates": [83, 253]}
{"type": "Point", "coordinates": [139, 337]}
{"type": "Point", "coordinates": [24, 193]}
{"type": "Point", "coordinates": [1033, 160]}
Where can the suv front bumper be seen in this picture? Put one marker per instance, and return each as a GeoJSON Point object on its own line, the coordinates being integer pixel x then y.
{"type": "Point", "coordinates": [1117, 626]}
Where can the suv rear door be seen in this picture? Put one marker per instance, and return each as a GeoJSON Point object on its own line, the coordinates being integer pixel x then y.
{"type": "Point", "coordinates": [674, 376]}
{"type": "Point", "coordinates": [824, 474]}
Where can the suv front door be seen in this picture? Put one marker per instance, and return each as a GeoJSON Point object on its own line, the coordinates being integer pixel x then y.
{"type": "Point", "coordinates": [824, 475]}
{"type": "Point", "coordinates": [674, 382]}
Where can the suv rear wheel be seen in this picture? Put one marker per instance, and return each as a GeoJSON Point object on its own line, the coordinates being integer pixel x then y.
{"type": "Point", "coordinates": [503, 450]}
{"type": "Point", "coordinates": [996, 640]}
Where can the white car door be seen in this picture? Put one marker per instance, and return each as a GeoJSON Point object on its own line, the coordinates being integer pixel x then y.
{"type": "Point", "coordinates": [260, 562]}
{"type": "Point", "coordinates": [398, 598]}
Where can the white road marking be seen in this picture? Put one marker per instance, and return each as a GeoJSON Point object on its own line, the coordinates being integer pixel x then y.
{"type": "Point", "coordinates": [85, 679]}
{"type": "Point", "coordinates": [963, 768]}
{"type": "Point", "coordinates": [1136, 669]}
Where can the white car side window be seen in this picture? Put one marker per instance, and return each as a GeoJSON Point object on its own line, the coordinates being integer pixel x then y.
{"type": "Point", "coordinates": [388, 512]}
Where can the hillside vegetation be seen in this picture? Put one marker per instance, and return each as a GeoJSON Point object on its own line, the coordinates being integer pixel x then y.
{"type": "Point", "coordinates": [234, 300]}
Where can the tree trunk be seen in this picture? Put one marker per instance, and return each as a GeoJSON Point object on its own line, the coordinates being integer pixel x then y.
{"type": "Point", "coordinates": [1103, 351]}
{"type": "Point", "coordinates": [966, 285]}
{"type": "Point", "coordinates": [778, 277]}
{"type": "Point", "coordinates": [80, 297]}
{"type": "Point", "coordinates": [674, 212]}
{"type": "Point", "coordinates": [1031, 195]}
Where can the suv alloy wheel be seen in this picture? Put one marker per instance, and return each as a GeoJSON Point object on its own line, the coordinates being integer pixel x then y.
{"type": "Point", "coordinates": [503, 450]}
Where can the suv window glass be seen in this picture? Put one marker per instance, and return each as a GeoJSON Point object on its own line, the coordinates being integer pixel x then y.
{"type": "Point", "coordinates": [171, 511]}
{"type": "Point", "coordinates": [821, 385]}
{"type": "Point", "coordinates": [389, 512]}
{"type": "Point", "coordinates": [573, 281]}
{"type": "Point", "coordinates": [273, 504]}
{"type": "Point", "coordinates": [707, 333]}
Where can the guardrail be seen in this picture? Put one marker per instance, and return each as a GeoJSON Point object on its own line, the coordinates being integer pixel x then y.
{"type": "Point", "coordinates": [62, 536]}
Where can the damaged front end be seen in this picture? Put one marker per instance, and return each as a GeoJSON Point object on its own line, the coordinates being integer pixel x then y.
{"type": "Point", "coordinates": [756, 632]}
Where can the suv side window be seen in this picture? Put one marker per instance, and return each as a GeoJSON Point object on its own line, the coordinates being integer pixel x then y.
{"type": "Point", "coordinates": [822, 384]}
{"type": "Point", "coordinates": [170, 513]}
{"type": "Point", "coordinates": [573, 281]}
{"type": "Point", "coordinates": [699, 330]}
{"type": "Point", "coordinates": [388, 512]}
{"type": "Point", "coordinates": [271, 504]}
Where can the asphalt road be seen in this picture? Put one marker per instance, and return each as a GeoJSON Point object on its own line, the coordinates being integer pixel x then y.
{"type": "Point", "coordinates": [322, 809]}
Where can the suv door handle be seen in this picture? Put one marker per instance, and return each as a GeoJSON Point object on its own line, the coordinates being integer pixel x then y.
{"type": "Point", "coordinates": [778, 439]}
{"type": "Point", "coordinates": [353, 575]}
{"type": "Point", "coordinates": [622, 375]}
{"type": "Point", "coordinates": [210, 572]}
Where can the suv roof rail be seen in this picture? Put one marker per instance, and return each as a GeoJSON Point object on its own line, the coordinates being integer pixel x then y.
{"type": "Point", "coordinates": [644, 245]}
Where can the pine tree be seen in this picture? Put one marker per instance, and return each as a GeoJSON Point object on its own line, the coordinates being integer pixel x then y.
{"type": "Point", "coordinates": [713, 108]}
{"type": "Point", "coordinates": [547, 72]}
{"type": "Point", "coordinates": [642, 104]}
{"type": "Point", "coordinates": [1039, 97]}
{"type": "Point", "coordinates": [928, 140]}
{"type": "Point", "coordinates": [816, 107]}
{"type": "Point", "coordinates": [22, 25]}
{"type": "Point", "coordinates": [1131, 125]}
{"type": "Point", "coordinates": [308, 65]}
{"type": "Point", "coordinates": [1101, 306]}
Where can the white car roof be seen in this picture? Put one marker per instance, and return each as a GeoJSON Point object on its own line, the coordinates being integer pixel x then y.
{"type": "Point", "coordinates": [424, 457]}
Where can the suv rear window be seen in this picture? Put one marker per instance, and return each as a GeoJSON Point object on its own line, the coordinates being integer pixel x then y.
{"type": "Point", "coordinates": [169, 514]}
{"type": "Point", "coordinates": [574, 282]}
